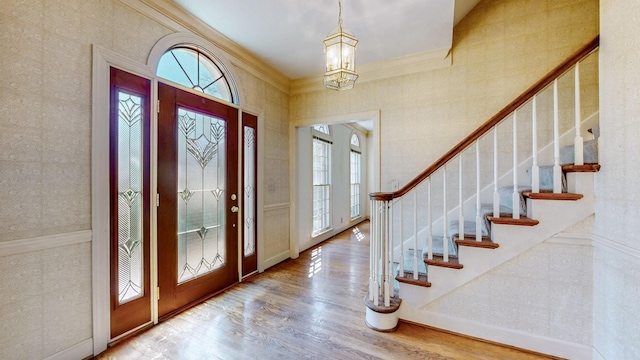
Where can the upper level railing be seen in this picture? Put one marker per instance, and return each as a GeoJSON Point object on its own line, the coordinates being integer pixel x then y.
{"type": "Point", "coordinates": [546, 104]}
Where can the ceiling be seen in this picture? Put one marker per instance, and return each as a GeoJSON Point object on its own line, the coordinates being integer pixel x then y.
{"type": "Point", "coordinates": [288, 34]}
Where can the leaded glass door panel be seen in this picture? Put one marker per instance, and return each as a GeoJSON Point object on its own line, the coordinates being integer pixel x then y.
{"type": "Point", "coordinates": [249, 189]}
{"type": "Point", "coordinates": [197, 186]}
{"type": "Point", "coordinates": [129, 201]}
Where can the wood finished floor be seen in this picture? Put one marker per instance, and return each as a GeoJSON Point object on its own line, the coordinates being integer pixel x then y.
{"type": "Point", "coordinates": [307, 308]}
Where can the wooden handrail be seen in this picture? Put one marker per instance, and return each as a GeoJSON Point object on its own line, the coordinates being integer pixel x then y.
{"type": "Point", "coordinates": [493, 121]}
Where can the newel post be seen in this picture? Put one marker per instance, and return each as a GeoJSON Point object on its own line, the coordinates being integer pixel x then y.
{"type": "Point", "coordinates": [382, 304]}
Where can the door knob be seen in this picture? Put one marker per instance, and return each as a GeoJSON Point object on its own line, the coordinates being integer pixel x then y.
{"type": "Point", "coordinates": [235, 209]}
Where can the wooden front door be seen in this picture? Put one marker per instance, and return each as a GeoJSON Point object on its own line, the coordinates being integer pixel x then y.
{"type": "Point", "coordinates": [198, 198]}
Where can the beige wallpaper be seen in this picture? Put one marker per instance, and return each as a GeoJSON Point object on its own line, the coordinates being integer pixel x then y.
{"type": "Point", "coordinates": [45, 159]}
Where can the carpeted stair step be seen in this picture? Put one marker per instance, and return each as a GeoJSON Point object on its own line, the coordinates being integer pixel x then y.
{"type": "Point", "coordinates": [438, 247]}
{"type": "Point", "coordinates": [507, 219]}
{"type": "Point", "coordinates": [581, 168]}
{"type": "Point", "coordinates": [438, 260]}
{"type": "Point", "coordinates": [485, 243]}
{"type": "Point", "coordinates": [408, 271]}
{"type": "Point", "coordinates": [551, 196]}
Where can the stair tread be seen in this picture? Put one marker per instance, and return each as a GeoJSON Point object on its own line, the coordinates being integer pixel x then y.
{"type": "Point", "coordinates": [486, 242]}
{"type": "Point", "coordinates": [408, 279]}
{"type": "Point", "coordinates": [552, 196]}
{"type": "Point", "coordinates": [508, 220]}
{"type": "Point", "coordinates": [581, 168]}
{"type": "Point", "coordinates": [438, 260]}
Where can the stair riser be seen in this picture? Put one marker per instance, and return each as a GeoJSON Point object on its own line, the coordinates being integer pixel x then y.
{"type": "Point", "coordinates": [580, 183]}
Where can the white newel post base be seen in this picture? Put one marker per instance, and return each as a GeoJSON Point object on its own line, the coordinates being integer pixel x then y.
{"type": "Point", "coordinates": [383, 318]}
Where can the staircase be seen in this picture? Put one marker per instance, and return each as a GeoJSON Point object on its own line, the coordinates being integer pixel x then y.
{"type": "Point", "coordinates": [495, 195]}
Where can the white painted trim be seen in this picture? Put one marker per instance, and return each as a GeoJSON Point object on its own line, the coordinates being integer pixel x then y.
{"type": "Point", "coordinates": [102, 60]}
{"type": "Point", "coordinates": [80, 350]}
{"type": "Point", "coordinates": [578, 239]}
{"type": "Point", "coordinates": [374, 115]}
{"type": "Point", "coordinates": [22, 246]}
{"type": "Point", "coordinates": [275, 207]}
{"type": "Point", "coordinates": [381, 321]}
{"type": "Point", "coordinates": [294, 245]}
{"type": "Point", "coordinates": [274, 260]}
{"type": "Point", "coordinates": [219, 58]}
{"type": "Point", "coordinates": [620, 250]}
{"type": "Point", "coordinates": [506, 336]}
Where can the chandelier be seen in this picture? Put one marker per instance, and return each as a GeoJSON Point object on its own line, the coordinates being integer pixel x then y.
{"type": "Point", "coordinates": [340, 57]}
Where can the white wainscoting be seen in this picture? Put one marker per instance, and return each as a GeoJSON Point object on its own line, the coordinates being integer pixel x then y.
{"type": "Point", "coordinates": [276, 230]}
{"type": "Point", "coordinates": [46, 246]}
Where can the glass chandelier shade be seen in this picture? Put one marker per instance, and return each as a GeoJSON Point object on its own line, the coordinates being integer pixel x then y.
{"type": "Point", "coordinates": [340, 58]}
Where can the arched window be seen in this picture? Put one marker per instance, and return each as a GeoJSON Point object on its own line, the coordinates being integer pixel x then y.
{"type": "Point", "coordinates": [355, 141]}
{"type": "Point", "coordinates": [192, 68]}
{"type": "Point", "coordinates": [356, 174]}
{"type": "Point", "coordinates": [321, 179]}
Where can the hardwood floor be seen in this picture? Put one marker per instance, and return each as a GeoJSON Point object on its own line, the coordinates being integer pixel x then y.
{"type": "Point", "coordinates": [308, 308]}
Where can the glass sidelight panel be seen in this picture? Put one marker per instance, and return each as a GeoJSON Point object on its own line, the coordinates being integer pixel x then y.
{"type": "Point", "coordinates": [130, 207]}
{"type": "Point", "coordinates": [201, 194]}
{"type": "Point", "coordinates": [249, 182]}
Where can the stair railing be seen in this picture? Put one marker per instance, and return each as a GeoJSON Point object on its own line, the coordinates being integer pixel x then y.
{"type": "Point", "coordinates": [440, 199]}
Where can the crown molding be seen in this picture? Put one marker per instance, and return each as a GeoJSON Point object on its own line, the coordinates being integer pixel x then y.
{"type": "Point", "coordinates": [174, 17]}
{"type": "Point", "coordinates": [425, 61]}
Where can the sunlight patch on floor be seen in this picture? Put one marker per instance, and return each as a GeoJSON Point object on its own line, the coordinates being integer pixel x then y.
{"type": "Point", "coordinates": [316, 261]}
{"type": "Point", "coordinates": [359, 235]}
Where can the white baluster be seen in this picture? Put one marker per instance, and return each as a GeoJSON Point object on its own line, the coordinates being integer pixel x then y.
{"type": "Point", "coordinates": [376, 293]}
{"type": "Point", "coordinates": [578, 142]}
{"type": "Point", "coordinates": [430, 221]}
{"type": "Point", "coordinates": [460, 207]}
{"type": "Point", "coordinates": [372, 241]}
{"type": "Point", "coordinates": [385, 253]}
{"type": "Point", "coordinates": [557, 170]}
{"type": "Point", "coordinates": [401, 271]}
{"type": "Point", "coordinates": [478, 205]}
{"type": "Point", "coordinates": [415, 234]}
{"type": "Point", "coordinates": [445, 241]}
{"type": "Point", "coordinates": [516, 195]}
{"type": "Point", "coordinates": [496, 194]}
{"type": "Point", "coordinates": [391, 246]}
{"type": "Point", "coordinates": [535, 170]}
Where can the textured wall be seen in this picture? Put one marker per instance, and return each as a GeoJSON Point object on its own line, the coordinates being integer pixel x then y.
{"type": "Point", "coordinates": [45, 159]}
{"type": "Point", "coordinates": [617, 257]}
{"type": "Point", "coordinates": [546, 291]}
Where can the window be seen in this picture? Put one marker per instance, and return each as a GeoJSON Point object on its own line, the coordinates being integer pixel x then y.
{"type": "Point", "coordinates": [321, 179]}
{"type": "Point", "coordinates": [356, 170]}
{"type": "Point", "coordinates": [192, 68]}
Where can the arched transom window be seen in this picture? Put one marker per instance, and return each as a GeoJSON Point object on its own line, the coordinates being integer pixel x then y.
{"type": "Point", "coordinates": [192, 68]}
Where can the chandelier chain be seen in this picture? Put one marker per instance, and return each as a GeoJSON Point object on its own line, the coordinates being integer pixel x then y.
{"type": "Point", "coordinates": [340, 14]}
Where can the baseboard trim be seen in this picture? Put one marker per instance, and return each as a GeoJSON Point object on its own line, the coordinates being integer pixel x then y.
{"type": "Point", "coordinates": [44, 242]}
{"type": "Point", "coordinates": [276, 207]}
{"type": "Point", "coordinates": [578, 239]}
{"type": "Point", "coordinates": [509, 337]}
{"type": "Point", "coordinates": [80, 350]}
{"type": "Point", "coordinates": [274, 260]}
